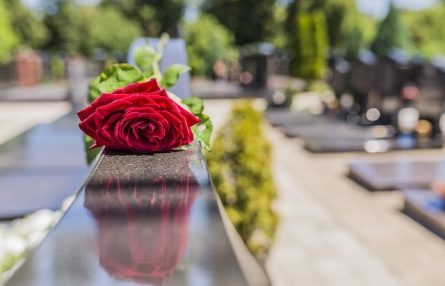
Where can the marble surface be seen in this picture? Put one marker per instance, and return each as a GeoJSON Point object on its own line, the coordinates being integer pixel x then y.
{"type": "Point", "coordinates": [139, 220]}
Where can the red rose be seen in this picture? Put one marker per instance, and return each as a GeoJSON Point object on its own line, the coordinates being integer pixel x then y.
{"type": "Point", "coordinates": [140, 117]}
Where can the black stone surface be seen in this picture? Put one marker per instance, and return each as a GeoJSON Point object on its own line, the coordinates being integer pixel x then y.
{"type": "Point", "coordinates": [140, 220]}
{"type": "Point", "coordinates": [402, 174]}
{"type": "Point", "coordinates": [426, 208]}
{"type": "Point", "coordinates": [41, 167]}
{"type": "Point", "coordinates": [349, 144]}
{"type": "Point", "coordinates": [292, 118]}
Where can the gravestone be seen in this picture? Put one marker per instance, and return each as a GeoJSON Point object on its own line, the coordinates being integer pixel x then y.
{"type": "Point", "coordinates": [256, 65]}
{"type": "Point", "coordinates": [400, 174]}
{"type": "Point", "coordinates": [292, 118]}
{"type": "Point", "coordinates": [362, 78]}
{"type": "Point", "coordinates": [340, 69]}
{"type": "Point", "coordinates": [139, 220]}
{"type": "Point", "coordinates": [427, 208]}
{"type": "Point", "coordinates": [41, 167]}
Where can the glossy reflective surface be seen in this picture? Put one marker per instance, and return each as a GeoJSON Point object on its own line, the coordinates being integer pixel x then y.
{"type": "Point", "coordinates": [141, 219]}
{"type": "Point", "coordinates": [41, 167]}
{"type": "Point", "coordinates": [399, 174]}
{"type": "Point", "coordinates": [427, 208]}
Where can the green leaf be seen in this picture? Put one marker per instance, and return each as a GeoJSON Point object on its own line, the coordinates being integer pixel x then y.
{"type": "Point", "coordinates": [117, 76]}
{"type": "Point", "coordinates": [172, 73]}
{"type": "Point", "coordinates": [144, 58]}
{"type": "Point", "coordinates": [202, 131]}
{"type": "Point", "coordinates": [91, 154]}
{"type": "Point", "coordinates": [195, 104]}
{"type": "Point", "coordinates": [93, 89]}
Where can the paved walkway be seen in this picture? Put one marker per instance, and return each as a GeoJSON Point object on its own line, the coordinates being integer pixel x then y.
{"type": "Point", "coordinates": [17, 117]}
{"type": "Point", "coordinates": [333, 232]}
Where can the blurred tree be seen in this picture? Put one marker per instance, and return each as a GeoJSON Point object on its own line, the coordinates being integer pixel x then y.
{"type": "Point", "coordinates": [64, 26]}
{"type": "Point", "coordinates": [112, 32]}
{"type": "Point", "coordinates": [85, 29]}
{"type": "Point", "coordinates": [278, 38]}
{"type": "Point", "coordinates": [390, 34]}
{"type": "Point", "coordinates": [9, 38]}
{"type": "Point", "coordinates": [207, 41]}
{"type": "Point", "coordinates": [427, 35]}
{"type": "Point", "coordinates": [249, 20]}
{"type": "Point", "coordinates": [307, 39]}
{"type": "Point", "coordinates": [348, 30]}
{"type": "Point", "coordinates": [154, 16]}
{"type": "Point", "coordinates": [29, 28]}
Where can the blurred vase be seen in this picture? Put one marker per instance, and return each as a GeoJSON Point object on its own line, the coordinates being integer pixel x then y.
{"type": "Point", "coordinates": [142, 226]}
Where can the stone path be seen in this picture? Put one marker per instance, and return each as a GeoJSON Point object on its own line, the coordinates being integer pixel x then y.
{"type": "Point", "coordinates": [333, 232]}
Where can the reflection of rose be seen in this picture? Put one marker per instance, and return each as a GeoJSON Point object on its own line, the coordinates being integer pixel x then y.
{"type": "Point", "coordinates": [140, 117]}
{"type": "Point", "coordinates": [142, 227]}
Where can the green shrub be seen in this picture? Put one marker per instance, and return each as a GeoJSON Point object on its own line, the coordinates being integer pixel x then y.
{"type": "Point", "coordinates": [8, 38]}
{"type": "Point", "coordinates": [240, 167]}
{"type": "Point", "coordinates": [207, 41]}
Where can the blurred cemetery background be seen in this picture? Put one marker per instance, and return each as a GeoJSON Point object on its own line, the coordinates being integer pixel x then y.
{"type": "Point", "coordinates": [331, 113]}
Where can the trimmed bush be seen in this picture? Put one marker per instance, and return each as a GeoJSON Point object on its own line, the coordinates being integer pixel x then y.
{"type": "Point", "coordinates": [240, 167]}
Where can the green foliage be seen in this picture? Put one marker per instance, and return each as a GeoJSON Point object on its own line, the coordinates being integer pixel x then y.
{"type": "Point", "coordinates": [57, 67]}
{"type": "Point", "coordinates": [240, 167]}
{"type": "Point", "coordinates": [117, 76]}
{"type": "Point", "coordinates": [65, 28]}
{"type": "Point", "coordinates": [249, 20]}
{"type": "Point", "coordinates": [427, 34]}
{"type": "Point", "coordinates": [279, 37]}
{"type": "Point", "coordinates": [391, 33]}
{"type": "Point", "coordinates": [208, 41]}
{"type": "Point", "coordinates": [308, 41]}
{"type": "Point", "coordinates": [9, 38]}
{"type": "Point", "coordinates": [203, 131]}
{"type": "Point", "coordinates": [171, 75]}
{"type": "Point", "coordinates": [82, 30]}
{"type": "Point", "coordinates": [154, 17]}
{"type": "Point", "coordinates": [144, 58]}
{"type": "Point", "coordinates": [30, 29]}
{"type": "Point", "coordinates": [112, 32]}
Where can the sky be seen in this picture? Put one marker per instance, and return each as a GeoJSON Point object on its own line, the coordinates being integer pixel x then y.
{"type": "Point", "coordinates": [376, 8]}
{"type": "Point", "coordinates": [379, 8]}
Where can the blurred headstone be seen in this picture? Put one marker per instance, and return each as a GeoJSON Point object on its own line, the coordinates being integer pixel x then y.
{"type": "Point", "coordinates": [256, 65]}
{"type": "Point", "coordinates": [77, 80]}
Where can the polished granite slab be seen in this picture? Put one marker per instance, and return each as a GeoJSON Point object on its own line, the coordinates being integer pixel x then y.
{"type": "Point", "coordinates": [399, 174]}
{"type": "Point", "coordinates": [139, 220]}
{"type": "Point", "coordinates": [427, 208]}
{"type": "Point", "coordinates": [41, 167]}
{"type": "Point", "coordinates": [370, 145]}
{"type": "Point", "coordinates": [292, 118]}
